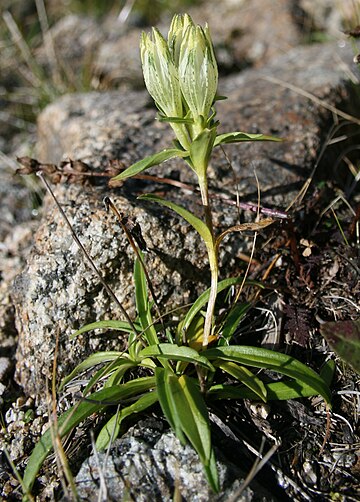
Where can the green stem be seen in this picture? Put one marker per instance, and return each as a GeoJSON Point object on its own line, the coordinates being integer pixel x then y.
{"type": "Point", "coordinates": [213, 262]}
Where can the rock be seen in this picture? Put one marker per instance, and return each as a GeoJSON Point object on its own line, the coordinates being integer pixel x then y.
{"type": "Point", "coordinates": [149, 464]}
{"type": "Point", "coordinates": [329, 16]}
{"type": "Point", "coordinates": [251, 32]}
{"type": "Point", "coordinates": [71, 44]}
{"type": "Point", "coordinates": [17, 201]}
{"type": "Point", "coordinates": [258, 103]}
{"type": "Point", "coordinates": [118, 59]}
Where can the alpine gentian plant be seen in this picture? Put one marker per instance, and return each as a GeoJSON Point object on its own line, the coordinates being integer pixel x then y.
{"type": "Point", "coordinates": [181, 76]}
{"type": "Point", "coordinates": [181, 374]}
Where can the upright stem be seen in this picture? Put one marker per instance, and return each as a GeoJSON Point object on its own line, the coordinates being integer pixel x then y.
{"type": "Point", "coordinates": [213, 262]}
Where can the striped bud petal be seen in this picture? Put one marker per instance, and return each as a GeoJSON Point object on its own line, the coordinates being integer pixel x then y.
{"type": "Point", "coordinates": [160, 74]}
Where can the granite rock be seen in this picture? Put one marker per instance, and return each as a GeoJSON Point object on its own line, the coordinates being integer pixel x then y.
{"type": "Point", "coordinates": [148, 463]}
{"type": "Point", "coordinates": [329, 16]}
{"type": "Point", "coordinates": [251, 32]}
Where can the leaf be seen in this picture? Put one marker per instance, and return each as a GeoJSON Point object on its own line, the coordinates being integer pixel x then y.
{"type": "Point", "coordinates": [275, 361]}
{"type": "Point", "coordinates": [152, 160]}
{"type": "Point", "coordinates": [71, 418]}
{"type": "Point", "coordinates": [118, 370]}
{"type": "Point", "coordinates": [93, 360]}
{"type": "Point", "coordinates": [276, 390]}
{"type": "Point", "coordinates": [120, 364]}
{"type": "Point", "coordinates": [174, 352]}
{"type": "Point", "coordinates": [112, 428]}
{"type": "Point", "coordinates": [195, 222]}
{"type": "Point", "coordinates": [175, 120]}
{"type": "Point", "coordinates": [204, 297]}
{"type": "Point", "coordinates": [237, 137]}
{"type": "Point", "coordinates": [193, 415]}
{"type": "Point", "coordinates": [165, 388]}
{"type": "Point", "coordinates": [185, 408]}
{"type": "Point", "coordinates": [232, 322]}
{"type": "Point", "coordinates": [344, 339]}
{"type": "Point", "coordinates": [110, 324]}
{"type": "Point", "coordinates": [220, 98]}
{"type": "Point", "coordinates": [143, 305]}
{"type": "Point", "coordinates": [246, 377]}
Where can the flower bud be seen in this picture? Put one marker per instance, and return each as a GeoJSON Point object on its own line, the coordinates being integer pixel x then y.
{"type": "Point", "coordinates": [177, 29]}
{"type": "Point", "coordinates": [198, 73]}
{"type": "Point", "coordinates": [160, 74]}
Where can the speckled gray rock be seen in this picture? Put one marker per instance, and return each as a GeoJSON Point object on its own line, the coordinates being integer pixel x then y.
{"type": "Point", "coordinates": [245, 32]}
{"type": "Point", "coordinates": [75, 40]}
{"type": "Point", "coordinates": [149, 464]}
{"type": "Point", "coordinates": [16, 208]}
{"type": "Point", "coordinates": [251, 32]}
{"type": "Point", "coordinates": [329, 16]}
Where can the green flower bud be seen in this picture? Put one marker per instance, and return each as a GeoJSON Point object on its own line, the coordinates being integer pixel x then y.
{"type": "Point", "coordinates": [177, 29]}
{"type": "Point", "coordinates": [160, 74]}
{"type": "Point", "coordinates": [198, 71]}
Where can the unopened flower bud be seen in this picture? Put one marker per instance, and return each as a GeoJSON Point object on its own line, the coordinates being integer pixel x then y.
{"type": "Point", "coordinates": [178, 26]}
{"type": "Point", "coordinates": [160, 74]}
{"type": "Point", "coordinates": [198, 71]}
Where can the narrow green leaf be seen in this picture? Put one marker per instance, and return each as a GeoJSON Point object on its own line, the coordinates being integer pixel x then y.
{"type": "Point", "coordinates": [344, 339]}
{"type": "Point", "coordinates": [220, 98]}
{"type": "Point", "coordinates": [166, 385]}
{"type": "Point", "coordinates": [244, 376]}
{"type": "Point", "coordinates": [176, 353]}
{"type": "Point", "coordinates": [134, 344]}
{"type": "Point", "coordinates": [118, 370]}
{"type": "Point", "coordinates": [327, 371]}
{"type": "Point", "coordinates": [107, 370]}
{"type": "Point", "coordinates": [76, 414]}
{"type": "Point", "coordinates": [195, 222]}
{"type": "Point", "coordinates": [264, 358]}
{"type": "Point", "coordinates": [152, 160]}
{"type": "Point", "coordinates": [284, 390]}
{"type": "Point", "coordinates": [93, 360]}
{"type": "Point", "coordinates": [212, 473]}
{"type": "Point", "coordinates": [143, 305]}
{"type": "Point", "coordinates": [232, 322]}
{"type": "Point", "coordinates": [110, 324]}
{"type": "Point", "coordinates": [204, 297]}
{"type": "Point", "coordinates": [175, 120]}
{"type": "Point", "coordinates": [237, 137]}
{"type": "Point", "coordinates": [193, 415]}
{"type": "Point", "coordinates": [185, 409]}
{"type": "Point", "coordinates": [112, 428]}
{"type": "Point", "coordinates": [194, 419]}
